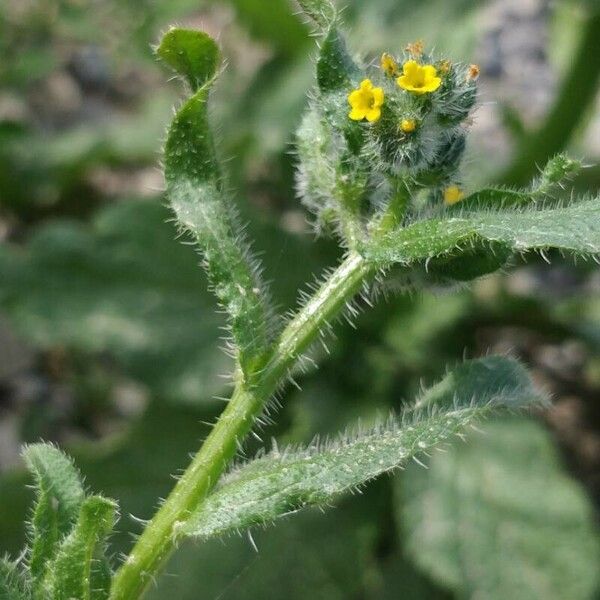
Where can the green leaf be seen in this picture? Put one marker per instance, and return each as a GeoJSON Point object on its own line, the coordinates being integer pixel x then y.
{"type": "Point", "coordinates": [123, 287]}
{"type": "Point", "coordinates": [101, 574]}
{"type": "Point", "coordinates": [316, 556]}
{"type": "Point", "coordinates": [492, 198]}
{"type": "Point", "coordinates": [59, 497]}
{"type": "Point", "coordinates": [493, 379]}
{"type": "Point", "coordinates": [73, 573]}
{"type": "Point", "coordinates": [335, 68]}
{"type": "Point", "coordinates": [481, 258]}
{"type": "Point", "coordinates": [498, 518]}
{"type": "Point", "coordinates": [193, 54]}
{"type": "Point", "coordinates": [322, 12]}
{"type": "Point", "coordinates": [282, 482]}
{"type": "Point", "coordinates": [575, 228]}
{"type": "Point", "coordinates": [132, 468]}
{"type": "Point", "coordinates": [14, 584]}
{"type": "Point", "coordinates": [195, 191]}
{"type": "Point", "coordinates": [557, 171]}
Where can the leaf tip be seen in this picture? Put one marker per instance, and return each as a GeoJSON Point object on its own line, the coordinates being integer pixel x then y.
{"type": "Point", "coordinates": [193, 54]}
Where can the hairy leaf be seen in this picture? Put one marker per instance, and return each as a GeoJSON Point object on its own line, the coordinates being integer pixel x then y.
{"type": "Point", "coordinates": [498, 518]}
{"type": "Point", "coordinates": [494, 379]}
{"type": "Point", "coordinates": [14, 584]}
{"type": "Point", "coordinates": [59, 497]}
{"type": "Point", "coordinates": [335, 67]}
{"type": "Point", "coordinates": [558, 170]}
{"type": "Point", "coordinates": [279, 483]}
{"type": "Point", "coordinates": [75, 572]}
{"type": "Point", "coordinates": [192, 54]}
{"type": "Point", "coordinates": [493, 198]}
{"type": "Point", "coordinates": [575, 228]}
{"type": "Point", "coordinates": [466, 264]}
{"type": "Point", "coordinates": [195, 191]}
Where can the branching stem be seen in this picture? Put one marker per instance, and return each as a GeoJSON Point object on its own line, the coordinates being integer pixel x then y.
{"type": "Point", "coordinates": [248, 400]}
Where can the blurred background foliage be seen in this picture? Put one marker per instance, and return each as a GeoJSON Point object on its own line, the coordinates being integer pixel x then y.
{"type": "Point", "coordinates": [109, 342]}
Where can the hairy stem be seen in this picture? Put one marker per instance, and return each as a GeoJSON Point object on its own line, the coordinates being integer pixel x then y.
{"type": "Point", "coordinates": [249, 398]}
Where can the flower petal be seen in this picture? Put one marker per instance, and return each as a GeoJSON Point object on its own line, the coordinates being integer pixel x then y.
{"type": "Point", "coordinates": [374, 114]}
{"type": "Point", "coordinates": [429, 72]}
{"type": "Point", "coordinates": [432, 84]}
{"type": "Point", "coordinates": [410, 68]}
{"type": "Point", "coordinates": [403, 82]}
{"type": "Point", "coordinates": [357, 114]}
{"type": "Point", "coordinates": [378, 97]}
{"type": "Point", "coordinates": [355, 98]}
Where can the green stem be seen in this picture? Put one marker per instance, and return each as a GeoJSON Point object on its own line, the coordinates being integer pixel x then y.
{"type": "Point", "coordinates": [393, 215]}
{"type": "Point", "coordinates": [157, 541]}
{"type": "Point", "coordinates": [577, 92]}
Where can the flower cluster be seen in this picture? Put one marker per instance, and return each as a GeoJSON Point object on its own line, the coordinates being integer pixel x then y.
{"type": "Point", "coordinates": [367, 100]}
{"type": "Point", "coordinates": [376, 131]}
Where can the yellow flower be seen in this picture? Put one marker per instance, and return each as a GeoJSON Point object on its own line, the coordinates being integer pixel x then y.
{"type": "Point", "coordinates": [389, 65]}
{"type": "Point", "coordinates": [366, 102]}
{"type": "Point", "coordinates": [453, 194]}
{"type": "Point", "coordinates": [419, 79]}
{"type": "Point", "coordinates": [408, 125]}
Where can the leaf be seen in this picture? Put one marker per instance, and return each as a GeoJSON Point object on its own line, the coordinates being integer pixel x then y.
{"type": "Point", "coordinates": [192, 54]}
{"type": "Point", "coordinates": [324, 556]}
{"type": "Point", "coordinates": [493, 198]}
{"type": "Point", "coordinates": [498, 518]}
{"type": "Point", "coordinates": [121, 287]}
{"type": "Point", "coordinates": [101, 574]}
{"type": "Point", "coordinates": [195, 192]}
{"type": "Point", "coordinates": [316, 556]}
{"type": "Point", "coordinates": [575, 228]}
{"type": "Point", "coordinates": [59, 497]}
{"type": "Point", "coordinates": [557, 171]}
{"type": "Point", "coordinates": [466, 264]}
{"type": "Point", "coordinates": [132, 468]}
{"type": "Point", "coordinates": [279, 483]}
{"type": "Point", "coordinates": [14, 584]}
{"type": "Point", "coordinates": [322, 12]}
{"type": "Point", "coordinates": [73, 573]}
{"type": "Point", "coordinates": [335, 68]}
{"type": "Point", "coordinates": [494, 379]}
